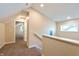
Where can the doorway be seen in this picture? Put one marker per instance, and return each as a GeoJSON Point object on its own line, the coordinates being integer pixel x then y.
{"type": "Point", "coordinates": [19, 31]}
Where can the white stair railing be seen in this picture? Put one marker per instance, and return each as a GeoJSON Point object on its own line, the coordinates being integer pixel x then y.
{"type": "Point", "coordinates": [38, 36]}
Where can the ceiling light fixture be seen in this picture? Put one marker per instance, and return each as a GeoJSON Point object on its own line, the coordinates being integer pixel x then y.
{"type": "Point", "coordinates": [41, 5]}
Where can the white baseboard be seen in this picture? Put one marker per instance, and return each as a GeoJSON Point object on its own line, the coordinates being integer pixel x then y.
{"type": "Point", "coordinates": [10, 42]}
{"type": "Point", "coordinates": [6, 43]}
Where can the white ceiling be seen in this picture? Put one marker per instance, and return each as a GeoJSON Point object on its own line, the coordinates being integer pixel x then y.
{"type": "Point", "coordinates": [7, 9]}
{"type": "Point", "coordinates": [59, 11]}
{"type": "Point", "coordinates": [55, 11]}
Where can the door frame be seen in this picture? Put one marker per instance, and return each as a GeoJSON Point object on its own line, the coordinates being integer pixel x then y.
{"type": "Point", "coordinates": [25, 30]}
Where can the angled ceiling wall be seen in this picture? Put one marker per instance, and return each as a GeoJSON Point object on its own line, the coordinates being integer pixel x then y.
{"type": "Point", "coordinates": [55, 11]}
{"type": "Point", "coordinates": [59, 11]}
{"type": "Point", "coordinates": [7, 9]}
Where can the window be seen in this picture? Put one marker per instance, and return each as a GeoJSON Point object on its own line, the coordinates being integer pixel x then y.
{"type": "Point", "coordinates": [70, 27]}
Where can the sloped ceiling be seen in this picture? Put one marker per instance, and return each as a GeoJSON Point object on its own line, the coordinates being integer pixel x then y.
{"type": "Point", "coordinates": [7, 9]}
{"type": "Point", "coordinates": [59, 11]}
{"type": "Point", "coordinates": [55, 11]}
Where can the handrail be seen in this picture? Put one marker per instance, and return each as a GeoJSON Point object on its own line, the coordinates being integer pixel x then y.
{"type": "Point", "coordinates": [63, 39]}
{"type": "Point", "coordinates": [38, 36]}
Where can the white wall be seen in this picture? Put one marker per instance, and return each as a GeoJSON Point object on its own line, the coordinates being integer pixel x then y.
{"type": "Point", "coordinates": [71, 35]}
{"type": "Point", "coordinates": [2, 35]}
{"type": "Point", "coordinates": [10, 26]}
{"type": "Point", "coordinates": [39, 24]}
{"type": "Point", "coordinates": [9, 30]}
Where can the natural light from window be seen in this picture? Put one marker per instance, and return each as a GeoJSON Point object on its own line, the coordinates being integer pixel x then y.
{"type": "Point", "coordinates": [69, 27]}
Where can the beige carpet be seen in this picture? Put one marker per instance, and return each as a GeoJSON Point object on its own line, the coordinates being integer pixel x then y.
{"type": "Point", "coordinates": [18, 49]}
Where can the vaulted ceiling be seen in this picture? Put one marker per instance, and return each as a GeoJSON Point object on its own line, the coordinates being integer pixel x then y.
{"type": "Point", "coordinates": [55, 11]}
{"type": "Point", "coordinates": [59, 11]}
{"type": "Point", "coordinates": [7, 9]}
